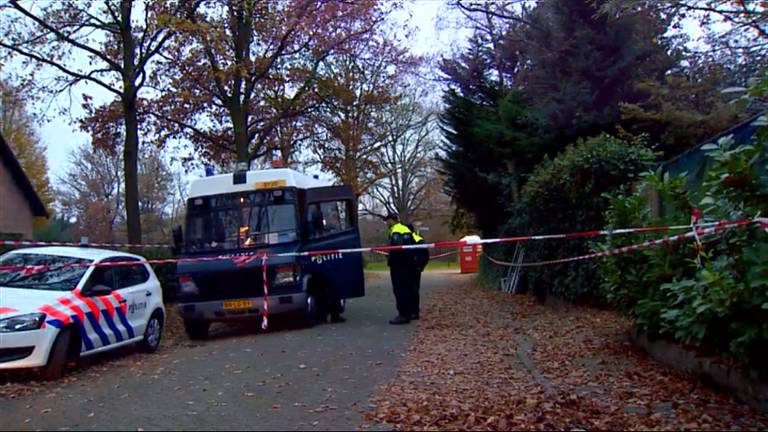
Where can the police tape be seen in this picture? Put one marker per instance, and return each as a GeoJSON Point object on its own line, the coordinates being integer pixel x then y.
{"type": "Point", "coordinates": [695, 234]}
{"type": "Point", "coordinates": [30, 243]}
{"type": "Point", "coordinates": [431, 257]}
{"type": "Point", "coordinates": [265, 309]}
{"type": "Point", "coordinates": [241, 260]}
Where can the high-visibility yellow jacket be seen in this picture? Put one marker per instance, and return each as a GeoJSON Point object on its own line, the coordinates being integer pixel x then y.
{"type": "Point", "coordinates": [401, 235]}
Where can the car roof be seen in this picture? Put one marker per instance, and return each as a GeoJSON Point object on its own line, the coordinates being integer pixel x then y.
{"type": "Point", "coordinates": [94, 254]}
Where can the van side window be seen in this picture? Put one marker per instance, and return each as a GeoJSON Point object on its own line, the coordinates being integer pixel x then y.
{"type": "Point", "coordinates": [327, 218]}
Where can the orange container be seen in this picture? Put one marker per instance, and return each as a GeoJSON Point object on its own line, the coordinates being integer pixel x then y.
{"type": "Point", "coordinates": [469, 258]}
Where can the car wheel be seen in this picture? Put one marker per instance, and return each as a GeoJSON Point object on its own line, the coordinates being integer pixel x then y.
{"type": "Point", "coordinates": [342, 305]}
{"type": "Point", "coordinates": [197, 330]}
{"type": "Point", "coordinates": [153, 333]}
{"type": "Point", "coordinates": [57, 359]}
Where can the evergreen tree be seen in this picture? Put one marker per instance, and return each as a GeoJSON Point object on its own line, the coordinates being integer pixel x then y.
{"type": "Point", "coordinates": [493, 139]}
{"type": "Point", "coordinates": [578, 65]}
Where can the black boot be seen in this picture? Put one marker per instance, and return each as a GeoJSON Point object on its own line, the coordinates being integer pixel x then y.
{"type": "Point", "coordinates": [336, 318]}
{"type": "Point", "coordinates": [399, 320]}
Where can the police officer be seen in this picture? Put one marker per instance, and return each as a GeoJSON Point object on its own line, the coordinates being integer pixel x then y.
{"type": "Point", "coordinates": [402, 270]}
{"type": "Point", "coordinates": [421, 256]}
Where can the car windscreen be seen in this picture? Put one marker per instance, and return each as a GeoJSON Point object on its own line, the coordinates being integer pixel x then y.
{"type": "Point", "coordinates": [52, 276]}
{"type": "Point", "coordinates": [236, 221]}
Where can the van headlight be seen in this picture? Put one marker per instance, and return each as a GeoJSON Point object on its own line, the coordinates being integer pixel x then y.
{"type": "Point", "coordinates": [18, 323]}
{"type": "Point", "coordinates": [286, 274]}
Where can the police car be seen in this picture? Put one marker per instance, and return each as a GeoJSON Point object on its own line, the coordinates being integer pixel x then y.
{"type": "Point", "coordinates": [55, 306]}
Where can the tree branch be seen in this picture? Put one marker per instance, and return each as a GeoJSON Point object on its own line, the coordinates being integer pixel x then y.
{"type": "Point", "coordinates": [78, 76]}
{"type": "Point", "coordinates": [60, 35]}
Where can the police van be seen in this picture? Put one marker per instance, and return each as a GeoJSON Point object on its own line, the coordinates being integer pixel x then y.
{"type": "Point", "coordinates": [250, 213]}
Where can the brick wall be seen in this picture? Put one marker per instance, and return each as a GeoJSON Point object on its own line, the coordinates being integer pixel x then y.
{"type": "Point", "coordinates": [15, 211]}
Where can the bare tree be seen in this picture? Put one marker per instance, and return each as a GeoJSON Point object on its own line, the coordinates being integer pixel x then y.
{"type": "Point", "coordinates": [407, 158]}
{"type": "Point", "coordinates": [156, 184]}
{"type": "Point", "coordinates": [90, 193]}
{"type": "Point", "coordinates": [117, 40]}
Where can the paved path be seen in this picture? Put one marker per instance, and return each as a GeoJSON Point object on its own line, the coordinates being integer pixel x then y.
{"type": "Point", "coordinates": [319, 378]}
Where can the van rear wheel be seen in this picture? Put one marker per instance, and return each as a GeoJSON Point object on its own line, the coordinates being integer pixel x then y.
{"type": "Point", "coordinates": [197, 330]}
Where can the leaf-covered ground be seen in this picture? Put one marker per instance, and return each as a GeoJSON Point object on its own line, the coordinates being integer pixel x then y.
{"type": "Point", "coordinates": [20, 383]}
{"type": "Point", "coordinates": [482, 359]}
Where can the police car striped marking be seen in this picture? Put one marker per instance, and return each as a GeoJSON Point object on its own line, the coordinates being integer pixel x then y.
{"type": "Point", "coordinates": [124, 321]}
{"type": "Point", "coordinates": [83, 333]}
{"type": "Point", "coordinates": [73, 307]}
{"type": "Point", "coordinates": [88, 302]}
{"type": "Point", "coordinates": [56, 323]}
{"type": "Point", "coordinates": [56, 315]}
{"type": "Point", "coordinates": [97, 328]}
{"type": "Point", "coordinates": [119, 299]}
{"type": "Point", "coordinates": [113, 327]}
{"type": "Point", "coordinates": [107, 304]}
{"type": "Point", "coordinates": [59, 318]}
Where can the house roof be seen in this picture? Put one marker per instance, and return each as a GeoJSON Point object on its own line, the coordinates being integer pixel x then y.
{"type": "Point", "coordinates": [731, 130]}
{"type": "Point", "coordinates": [17, 173]}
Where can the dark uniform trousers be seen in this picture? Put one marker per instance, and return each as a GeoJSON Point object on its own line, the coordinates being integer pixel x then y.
{"type": "Point", "coordinates": [415, 293]}
{"type": "Point", "coordinates": [404, 280]}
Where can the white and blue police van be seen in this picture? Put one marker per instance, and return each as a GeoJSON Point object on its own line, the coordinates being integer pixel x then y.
{"type": "Point", "coordinates": [250, 213]}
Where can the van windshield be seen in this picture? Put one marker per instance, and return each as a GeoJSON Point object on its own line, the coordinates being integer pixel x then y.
{"type": "Point", "coordinates": [241, 220]}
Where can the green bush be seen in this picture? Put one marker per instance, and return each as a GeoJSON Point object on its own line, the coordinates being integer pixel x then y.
{"type": "Point", "coordinates": [166, 273]}
{"type": "Point", "coordinates": [54, 231]}
{"type": "Point", "coordinates": [716, 299]}
{"type": "Point", "coordinates": [567, 194]}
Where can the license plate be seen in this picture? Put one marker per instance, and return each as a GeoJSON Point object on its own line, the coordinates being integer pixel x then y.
{"type": "Point", "coordinates": [238, 304]}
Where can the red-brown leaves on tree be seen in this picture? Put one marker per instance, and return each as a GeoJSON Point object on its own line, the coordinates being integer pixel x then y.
{"type": "Point", "coordinates": [240, 69]}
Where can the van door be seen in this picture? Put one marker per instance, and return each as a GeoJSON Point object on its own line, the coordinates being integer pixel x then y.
{"type": "Point", "coordinates": [330, 225]}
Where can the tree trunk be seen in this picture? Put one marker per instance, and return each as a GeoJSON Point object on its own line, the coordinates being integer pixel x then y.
{"type": "Point", "coordinates": [130, 166]}
{"type": "Point", "coordinates": [130, 116]}
{"type": "Point", "coordinates": [240, 128]}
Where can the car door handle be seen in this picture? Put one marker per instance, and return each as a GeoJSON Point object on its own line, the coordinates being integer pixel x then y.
{"type": "Point", "coordinates": [123, 301]}
{"type": "Point", "coordinates": [149, 293]}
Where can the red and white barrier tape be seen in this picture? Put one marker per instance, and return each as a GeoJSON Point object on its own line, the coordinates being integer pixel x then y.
{"type": "Point", "coordinates": [431, 257]}
{"type": "Point", "coordinates": [265, 309]}
{"type": "Point", "coordinates": [29, 243]}
{"type": "Point", "coordinates": [242, 260]}
{"type": "Point", "coordinates": [696, 234]}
